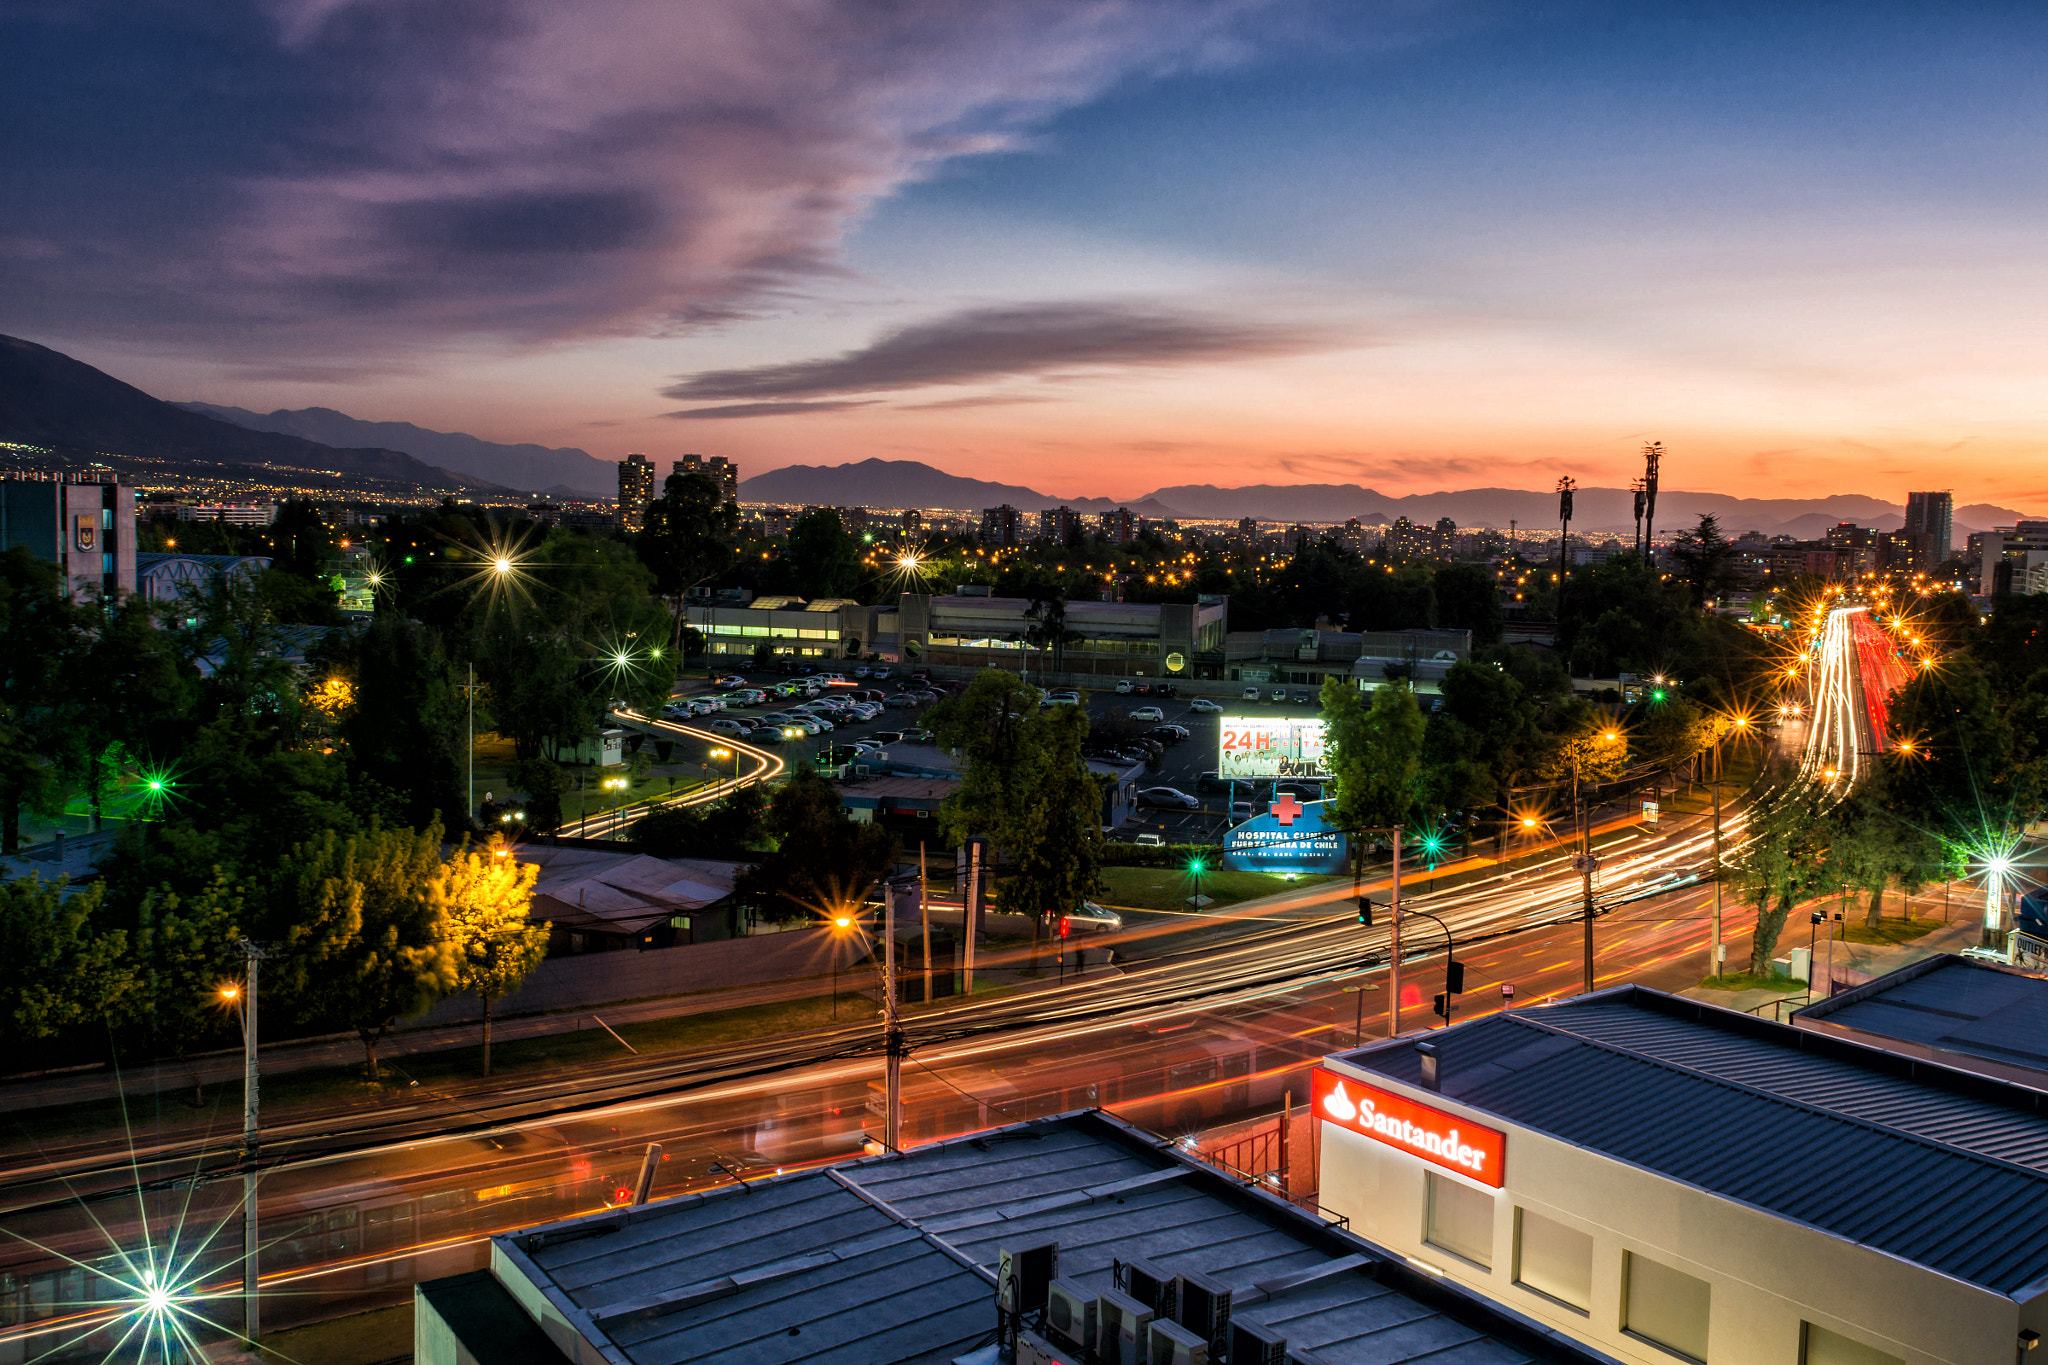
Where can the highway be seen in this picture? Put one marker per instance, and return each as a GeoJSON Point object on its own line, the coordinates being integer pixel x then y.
{"type": "Point", "coordinates": [1193, 1030]}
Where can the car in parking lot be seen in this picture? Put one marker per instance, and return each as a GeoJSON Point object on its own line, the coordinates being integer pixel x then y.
{"type": "Point", "coordinates": [862, 671]}
{"type": "Point", "coordinates": [886, 737]}
{"type": "Point", "coordinates": [1205, 706]}
{"type": "Point", "coordinates": [1147, 713]}
{"type": "Point", "coordinates": [1252, 694]}
{"type": "Point", "coordinates": [1279, 694]}
{"type": "Point", "coordinates": [1124, 687]}
{"type": "Point", "coordinates": [1093, 919]}
{"type": "Point", "coordinates": [1167, 734]}
{"type": "Point", "coordinates": [1242, 810]}
{"type": "Point", "coordinates": [881, 672]}
{"type": "Point", "coordinates": [1171, 798]}
{"type": "Point", "coordinates": [1301, 698]}
{"type": "Point", "coordinates": [727, 727]}
{"type": "Point", "coordinates": [1064, 697]}
{"type": "Point", "coordinates": [1151, 840]}
{"type": "Point", "coordinates": [729, 680]}
{"type": "Point", "coordinates": [919, 737]}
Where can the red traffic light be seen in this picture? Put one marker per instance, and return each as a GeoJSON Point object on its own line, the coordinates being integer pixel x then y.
{"type": "Point", "coordinates": [1063, 926]}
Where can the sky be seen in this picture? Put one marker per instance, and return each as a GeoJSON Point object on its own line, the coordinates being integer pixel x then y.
{"type": "Point", "coordinates": [1093, 247]}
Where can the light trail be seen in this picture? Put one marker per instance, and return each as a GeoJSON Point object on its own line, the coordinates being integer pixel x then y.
{"type": "Point", "coordinates": [763, 766]}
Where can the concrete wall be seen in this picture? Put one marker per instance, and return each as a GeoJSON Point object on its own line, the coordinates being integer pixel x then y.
{"type": "Point", "coordinates": [1767, 1274]}
{"type": "Point", "coordinates": [590, 979]}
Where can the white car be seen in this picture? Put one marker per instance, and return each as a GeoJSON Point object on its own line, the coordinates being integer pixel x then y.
{"type": "Point", "coordinates": [727, 727]}
{"type": "Point", "coordinates": [881, 672]}
{"type": "Point", "coordinates": [1205, 706]}
{"type": "Point", "coordinates": [1151, 713]}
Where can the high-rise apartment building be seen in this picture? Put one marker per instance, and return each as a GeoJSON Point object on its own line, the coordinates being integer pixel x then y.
{"type": "Point", "coordinates": [1248, 530]}
{"type": "Point", "coordinates": [1119, 527]}
{"type": "Point", "coordinates": [717, 468]}
{"type": "Point", "coordinates": [1057, 523]}
{"type": "Point", "coordinates": [911, 523]}
{"type": "Point", "coordinates": [1933, 514]}
{"type": "Point", "coordinates": [1002, 525]}
{"type": "Point", "coordinates": [636, 490]}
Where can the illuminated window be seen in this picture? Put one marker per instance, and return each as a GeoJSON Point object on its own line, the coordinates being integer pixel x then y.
{"type": "Point", "coordinates": [1459, 1220]}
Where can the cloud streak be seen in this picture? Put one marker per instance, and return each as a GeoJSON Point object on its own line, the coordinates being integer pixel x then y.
{"type": "Point", "coordinates": [355, 176]}
{"type": "Point", "coordinates": [983, 344]}
{"type": "Point", "coordinates": [768, 409]}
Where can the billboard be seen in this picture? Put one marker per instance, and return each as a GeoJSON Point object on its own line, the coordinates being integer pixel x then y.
{"type": "Point", "coordinates": [1266, 747]}
{"type": "Point", "coordinates": [1290, 838]}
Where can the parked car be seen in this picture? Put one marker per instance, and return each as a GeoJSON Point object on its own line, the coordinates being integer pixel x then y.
{"type": "Point", "coordinates": [1124, 687]}
{"type": "Point", "coordinates": [1301, 698]}
{"type": "Point", "coordinates": [1206, 706]}
{"type": "Point", "coordinates": [886, 737]}
{"type": "Point", "coordinates": [1279, 694]}
{"type": "Point", "coordinates": [1166, 689]}
{"type": "Point", "coordinates": [901, 701]}
{"type": "Point", "coordinates": [729, 680]}
{"type": "Point", "coordinates": [1151, 840]}
{"type": "Point", "coordinates": [1242, 810]}
{"type": "Point", "coordinates": [727, 727]}
{"type": "Point", "coordinates": [1167, 734]}
{"type": "Point", "coordinates": [1172, 798]}
{"type": "Point", "coordinates": [1148, 713]}
{"type": "Point", "coordinates": [861, 671]}
{"type": "Point", "coordinates": [1143, 689]}
{"type": "Point", "coordinates": [881, 672]}
{"type": "Point", "coordinates": [1093, 919]}
{"type": "Point", "coordinates": [1211, 781]}
{"type": "Point", "coordinates": [1252, 694]}
{"type": "Point", "coordinates": [919, 737]}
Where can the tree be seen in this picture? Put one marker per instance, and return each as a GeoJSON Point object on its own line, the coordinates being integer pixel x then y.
{"type": "Point", "coordinates": [406, 728]}
{"type": "Point", "coordinates": [126, 695]}
{"type": "Point", "coordinates": [823, 863]}
{"type": "Point", "coordinates": [1468, 598]}
{"type": "Point", "coordinates": [822, 559]}
{"type": "Point", "coordinates": [729, 828]}
{"type": "Point", "coordinates": [486, 900]}
{"type": "Point", "coordinates": [1706, 558]}
{"type": "Point", "coordinates": [1055, 839]}
{"type": "Point", "coordinates": [184, 948]}
{"type": "Point", "coordinates": [58, 969]}
{"type": "Point", "coordinates": [1782, 863]}
{"type": "Point", "coordinates": [1047, 610]}
{"type": "Point", "coordinates": [1374, 753]}
{"type": "Point", "coordinates": [1869, 849]}
{"type": "Point", "coordinates": [687, 536]}
{"type": "Point", "coordinates": [367, 942]}
{"type": "Point", "coordinates": [45, 633]}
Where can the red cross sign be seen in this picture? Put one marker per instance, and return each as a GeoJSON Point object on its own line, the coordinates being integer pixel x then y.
{"type": "Point", "coordinates": [1286, 809]}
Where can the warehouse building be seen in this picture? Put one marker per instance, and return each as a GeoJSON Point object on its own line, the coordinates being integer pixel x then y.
{"type": "Point", "coordinates": [1664, 1180]}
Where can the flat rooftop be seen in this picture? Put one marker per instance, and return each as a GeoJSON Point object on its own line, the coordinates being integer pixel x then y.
{"type": "Point", "coordinates": [892, 1258]}
{"type": "Point", "coordinates": [1953, 1009]}
{"type": "Point", "coordinates": [1937, 1166]}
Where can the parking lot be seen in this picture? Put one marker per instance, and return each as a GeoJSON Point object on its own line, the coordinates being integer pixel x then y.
{"type": "Point", "coordinates": [1180, 767]}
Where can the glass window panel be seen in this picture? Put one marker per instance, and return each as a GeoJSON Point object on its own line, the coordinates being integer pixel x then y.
{"type": "Point", "coordinates": [1664, 1306]}
{"type": "Point", "coordinates": [1460, 1220]}
{"type": "Point", "coordinates": [1553, 1259]}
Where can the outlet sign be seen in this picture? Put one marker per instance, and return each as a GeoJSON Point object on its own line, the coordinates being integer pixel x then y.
{"type": "Point", "coordinates": [1447, 1140]}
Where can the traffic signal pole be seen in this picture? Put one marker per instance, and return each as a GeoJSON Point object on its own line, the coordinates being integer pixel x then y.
{"type": "Point", "coordinates": [1394, 956]}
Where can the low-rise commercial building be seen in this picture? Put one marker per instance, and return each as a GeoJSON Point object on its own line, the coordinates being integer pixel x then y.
{"type": "Point", "coordinates": [1304, 658]}
{"type": "Point", "coordinates": [1954, 1010]}
{"type": "Point", "coordinates": [1664, 1180]}
{"type": "Point", "coordinates": [790, 627]}
{"type": "Point", "coordinates": [970, 629]}
{"type": "Point", "coordinates": [898, 1258]}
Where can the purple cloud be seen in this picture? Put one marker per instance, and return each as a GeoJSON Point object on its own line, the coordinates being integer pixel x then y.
{"type": "Point", "coordinates": [768, 409]}
{"type": "Point", "coordinates": [350, 177]}
{"type": "Point", "coordinates": [983, 344]}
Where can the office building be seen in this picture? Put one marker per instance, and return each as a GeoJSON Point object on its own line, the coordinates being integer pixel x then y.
{"type": "Point", "coordinates": [717, 468]}
{"type": "Point", "coordinates": [636, 490]}
{"type": "Point", "coordinates": [83, 523]}
{"type": "Point", "coordinates": [2015, 559]}
{"type": "Point", "coordinates": [1082, 1220]}
{"type": "Point", "coordinates": [1933, 514]}
{"type": "Point", "coordinates": [1002, 526]}
{"type": "Point", "coordinates": [792, 628]}
{"type": "Point", "coordinates": [1660, 1179]}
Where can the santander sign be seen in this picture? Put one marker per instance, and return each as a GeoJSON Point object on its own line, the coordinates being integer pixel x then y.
{"type": "Point", "coordinates": [1445, 1140]}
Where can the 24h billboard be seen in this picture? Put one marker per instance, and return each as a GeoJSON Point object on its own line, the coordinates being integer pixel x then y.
{"type": "Point", "coordinates": [1258, 748]}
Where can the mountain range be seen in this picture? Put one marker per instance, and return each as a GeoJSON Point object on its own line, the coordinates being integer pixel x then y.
{"type": "Point", "coordinates": [50, 400]}
{"type": "Point", "coordinates": [560, 471]}
{"type": "Point", "coordinates": [911, 483]}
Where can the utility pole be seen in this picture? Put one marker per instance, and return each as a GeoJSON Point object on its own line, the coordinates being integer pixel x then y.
{"type": "Point", "coordinates": [1586, 863]}
{"type": "Point", "coordinates": [471, 689]}
{"type": "Point", "coordinates": [252, 1132]}
{"type": "Point", "coordinates": [924, 914]}
{"type": "Point", "coordinates": [970, 915]}
{"type": "Point", "coordinates": [1714, 953]}
{"type": "Point", "coordinates": [1564, 535]}
{"type": "Point", "coordinates": [1394, 957]}
{"type": "Point", "coordinates": [892, 1026]}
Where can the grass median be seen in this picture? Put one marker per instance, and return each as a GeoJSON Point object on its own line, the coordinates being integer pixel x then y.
{"type": "Point", "coordinates": [1169, 888]}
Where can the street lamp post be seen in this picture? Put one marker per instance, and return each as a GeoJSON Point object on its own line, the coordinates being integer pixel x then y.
{"type": "Point", "coordinates": [244, 998]}
{"type": "Point", "coordinates": [839, 927]}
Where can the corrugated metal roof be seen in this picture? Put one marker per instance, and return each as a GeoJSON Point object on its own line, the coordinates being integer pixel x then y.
{"type": "Point", "coordinates": [892, 1258]}
{"type": "Point", "coordinates": [1716, 1099]}
{"type": "Point", "coordinates": [1952, 1005]}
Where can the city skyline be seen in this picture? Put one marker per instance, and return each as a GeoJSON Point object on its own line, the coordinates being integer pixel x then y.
{"type": "Point", "coordinates": [1069, 245]}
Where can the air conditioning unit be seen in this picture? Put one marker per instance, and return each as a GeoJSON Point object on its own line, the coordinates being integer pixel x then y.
{"type": "Point", "coordinates": [1022, 1274]}
{"type": "Point", "coordinates": [1123, 1330]}
{"type": "Point", "coordinates": [1202, 1305]}
{"type": "Point", "coordinates": [1033, 1349]}
{"type": "Point", "coordinates": [1148, 1284]}
{"type": "Point", "coordinates": [1252, 1344]}
{"type": "Point", "coordinates": [1070, 1315]}
{"type": "Point", "coordinates": [1173, 1344]}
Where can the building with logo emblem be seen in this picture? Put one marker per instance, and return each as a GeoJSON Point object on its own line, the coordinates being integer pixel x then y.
{"type": "Point", "coordinates": [1663, 1180]}
{"type": "Point", "coordinates": [85, 523]}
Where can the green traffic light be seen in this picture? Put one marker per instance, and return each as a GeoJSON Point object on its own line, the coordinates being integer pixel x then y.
{"type": "Point", "coordinates": [1657, 695]}
{"type": "Point", "coordinates": [1195, 866]}
{"type": "Point", "coordinates": [156, 784]}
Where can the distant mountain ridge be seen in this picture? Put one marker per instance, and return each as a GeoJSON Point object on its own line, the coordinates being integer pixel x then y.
{"type": "Point", "coordinates": [1596, 511]}
{"type": "Point", "coordinates": [557, 470]}
{"type": "Point", "coordinates": [49, 399]}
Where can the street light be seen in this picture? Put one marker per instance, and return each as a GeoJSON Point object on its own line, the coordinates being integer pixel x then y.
{"type": "Point", "coordinates": [840, 924]}
{"type": "Point", "coordinates": [731, 754]}
{"type": "Point", "coordinates": [243, 997]}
